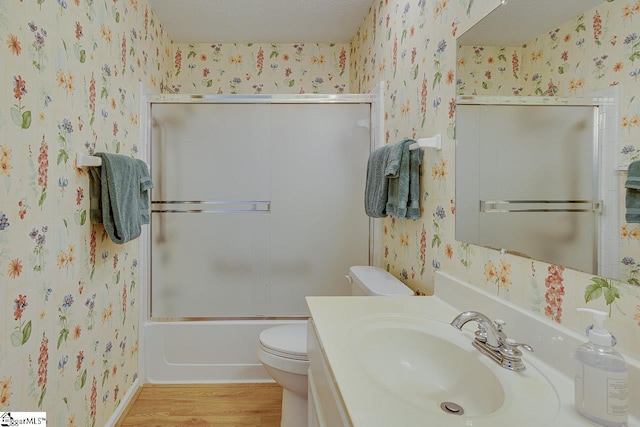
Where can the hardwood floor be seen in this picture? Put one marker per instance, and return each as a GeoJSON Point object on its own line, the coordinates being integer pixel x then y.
{"type": "Point", "coordinates": [200, 405]}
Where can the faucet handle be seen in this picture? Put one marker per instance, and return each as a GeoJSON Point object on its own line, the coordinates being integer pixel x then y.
{"type": "Point", "coordinates": [499, 324]}
{"type": "Point", "coordinates": [481, 333]}
{"type": "Point", "coordinates": [510, 347]}
{"type": "Point", "coordinates": [512, 356]}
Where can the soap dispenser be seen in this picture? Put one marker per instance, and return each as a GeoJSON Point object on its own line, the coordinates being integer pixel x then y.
{"type": "Point", "coordinates": [601, 376]}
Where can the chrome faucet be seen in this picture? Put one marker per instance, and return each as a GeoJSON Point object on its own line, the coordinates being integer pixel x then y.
{"type": "Point", "coordinates": [491, 341]}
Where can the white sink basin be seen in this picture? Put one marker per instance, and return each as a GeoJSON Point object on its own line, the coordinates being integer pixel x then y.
{"type": "Point", "coordinates": [427, 366]}
{"type": "Point", "coordinates": [397, 358]}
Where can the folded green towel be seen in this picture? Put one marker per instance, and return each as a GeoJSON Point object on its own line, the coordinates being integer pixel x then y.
{"type": "Point", "coordinates": [119, 196]}
{"type": "Point", "coordinates": [375, 195]}
{"type": "Point", "coordinates": [393, 161]}
{"type": "Point", "coordinates": [415, 160]}
{"type": "Point", "coordinates": [632, 199]}
{"type": "Point", "coordinates": [398, 196]}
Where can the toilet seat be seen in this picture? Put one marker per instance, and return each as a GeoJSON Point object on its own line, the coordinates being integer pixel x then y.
{"type": "Point", "coordinates": [285, 348]}
{"type": "Point", "coordinates": [288, 341]}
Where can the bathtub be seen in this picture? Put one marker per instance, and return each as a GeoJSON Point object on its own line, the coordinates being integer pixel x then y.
{"type": "Point", "coordinates": [209, 351]}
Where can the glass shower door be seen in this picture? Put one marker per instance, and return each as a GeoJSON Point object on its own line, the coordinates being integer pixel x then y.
{"type": "Point", "coordinates": [210, 210]}
{"type": "Point", "coordinates": [255, 207]}
{"type": "Point", "coordinates": [318, 224]}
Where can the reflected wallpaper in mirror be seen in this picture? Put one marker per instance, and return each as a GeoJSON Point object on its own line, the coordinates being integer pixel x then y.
{"type": "Point", "coordinates": [560, 63]}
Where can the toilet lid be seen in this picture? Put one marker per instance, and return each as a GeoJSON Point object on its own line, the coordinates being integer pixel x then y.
{"type": "Point", "coordinates": [288, 341]}
{"type": "Point", "coordinates": [376, 281]}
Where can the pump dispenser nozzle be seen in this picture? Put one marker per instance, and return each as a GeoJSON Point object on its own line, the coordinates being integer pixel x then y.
{"type": "Point", "coordinates": [597, 333]}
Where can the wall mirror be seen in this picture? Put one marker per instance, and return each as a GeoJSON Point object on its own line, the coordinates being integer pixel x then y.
{"type": "Point", "coordinates": [509, 195]}
{"type": "Point", "coordinates": [528, 180]}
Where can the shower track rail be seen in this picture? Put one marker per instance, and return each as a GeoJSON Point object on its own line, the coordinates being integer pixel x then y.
{"type": "Point", "coordinates": [221, 206]}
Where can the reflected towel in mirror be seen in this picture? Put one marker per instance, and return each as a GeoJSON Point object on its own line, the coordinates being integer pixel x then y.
{"type": "Point", "coordinates": [632, 201]}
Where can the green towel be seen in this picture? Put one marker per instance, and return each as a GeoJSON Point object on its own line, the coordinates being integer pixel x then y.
{"type": "Point", "coordinates": [375, 194]}
{"type": "Point", "coordinates": [415, 160]}
{"type": "Point", "coordinates": [119, 196]}
{"type": "Point", "coordinates": [632, 199]}
{"type": "Point", "coordinates": [398, 195]}
{"type": "Point", "coordinates": [393, 162]}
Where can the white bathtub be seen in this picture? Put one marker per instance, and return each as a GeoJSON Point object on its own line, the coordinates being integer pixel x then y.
{"type": "Point", "coordinates": [215, 351]}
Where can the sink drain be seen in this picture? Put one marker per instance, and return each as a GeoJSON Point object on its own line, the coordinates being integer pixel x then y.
{"type": "Point", "coordinates": [452, 408]}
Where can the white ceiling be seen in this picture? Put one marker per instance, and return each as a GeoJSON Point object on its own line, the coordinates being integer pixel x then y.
{"type": "Point", "coordinates": [261, 21]}
{"type": "Point", "coordinates": [514, 23]}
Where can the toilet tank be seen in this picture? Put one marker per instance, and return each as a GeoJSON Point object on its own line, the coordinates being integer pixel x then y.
{"type": "Point", "coordinates": [368, 280]}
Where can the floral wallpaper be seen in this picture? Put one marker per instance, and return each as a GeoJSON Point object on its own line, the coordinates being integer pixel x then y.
{"type": "Point", "coordinates": [232, 68]}
{"type": "Point", "coordinates": [69, 317]}
{"type": "Point", "coordinates": [411, 46]}
{"type": "Point", "coordinates": [69, 330]}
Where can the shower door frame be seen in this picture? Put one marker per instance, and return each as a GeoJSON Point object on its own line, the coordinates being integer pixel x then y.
{"type": "Point", "coordinates": [374, 124]}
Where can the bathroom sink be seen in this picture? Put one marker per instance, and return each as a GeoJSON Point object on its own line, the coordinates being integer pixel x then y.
{"type": "Point", "coordinates": [435, 369]}
{"type": "Point", "coordinates": [427, 366]}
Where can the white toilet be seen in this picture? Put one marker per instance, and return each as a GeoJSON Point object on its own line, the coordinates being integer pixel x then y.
{"type": "Point", "coordinates": [283, 349]}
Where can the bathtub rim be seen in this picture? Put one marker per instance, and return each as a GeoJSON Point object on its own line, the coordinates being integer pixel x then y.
{"type": "Point", "coordinates": [165, 364]}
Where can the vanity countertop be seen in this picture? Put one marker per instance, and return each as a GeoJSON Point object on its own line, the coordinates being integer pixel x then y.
{"type": "Point", "coordinates": [332, 318]}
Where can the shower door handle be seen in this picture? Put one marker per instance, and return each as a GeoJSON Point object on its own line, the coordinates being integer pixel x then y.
{"type": "Point", "coordinates": [489, 206]}
{"type": "Point", "coordinates": [211, 206]}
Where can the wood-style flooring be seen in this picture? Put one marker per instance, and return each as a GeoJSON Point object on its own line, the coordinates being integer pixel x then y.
{"type": "Point", "coordinates": [200, 405]}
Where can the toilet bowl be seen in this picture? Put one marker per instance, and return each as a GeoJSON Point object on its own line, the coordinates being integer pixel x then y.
{"type": "Point", "coordinates": [283, 353]}
{"type": "Point", "coordinates": [283, 349]}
